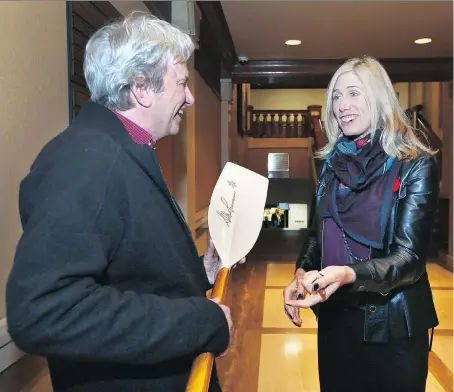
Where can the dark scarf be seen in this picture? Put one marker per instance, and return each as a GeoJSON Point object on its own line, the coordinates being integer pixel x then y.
{"type": "Point", "coordinates": [360, 180]}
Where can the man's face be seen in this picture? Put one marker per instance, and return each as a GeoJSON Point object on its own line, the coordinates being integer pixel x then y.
{"type": "Point", "coordinates": [168, 105]}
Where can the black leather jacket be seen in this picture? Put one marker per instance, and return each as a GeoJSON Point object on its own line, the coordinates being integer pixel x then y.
{"type": "Point", "coordinates": [392, 286]}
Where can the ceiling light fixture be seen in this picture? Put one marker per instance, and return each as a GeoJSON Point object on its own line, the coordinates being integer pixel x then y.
{"type": "Point", "coordinates": [421, 41]}
{"type": "Point", "coordinates": [293, 42]}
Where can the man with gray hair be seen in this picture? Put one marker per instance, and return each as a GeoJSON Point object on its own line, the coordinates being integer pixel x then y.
{"type": "Point", "coordinates": [107, 283]}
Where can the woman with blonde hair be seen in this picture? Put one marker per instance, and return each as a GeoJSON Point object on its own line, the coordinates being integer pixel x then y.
{"type": "Point", "coordinates": [362, 267]}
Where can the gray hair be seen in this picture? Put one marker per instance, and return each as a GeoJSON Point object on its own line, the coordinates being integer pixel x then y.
{"type": "Point", "coordinates": [398, 138]}
{"type": "Point", "coordinates": [134, 51]}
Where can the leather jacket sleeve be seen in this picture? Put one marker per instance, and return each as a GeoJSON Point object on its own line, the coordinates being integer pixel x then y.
{"type": "Point", "coordinates": [406, 260]}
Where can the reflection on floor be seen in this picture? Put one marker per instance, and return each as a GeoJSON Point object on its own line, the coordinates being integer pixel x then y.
{"type": "Point", "coordinates": [270, 355]}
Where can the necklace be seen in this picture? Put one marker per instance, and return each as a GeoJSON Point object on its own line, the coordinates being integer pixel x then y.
{"type": "Point", "coordinates": [359, 259]}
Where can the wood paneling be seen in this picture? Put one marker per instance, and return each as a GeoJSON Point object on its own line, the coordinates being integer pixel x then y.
{"type": "Point", "coordinates": [257, 161]}
{"type": "Point", "coordinates": [161, 9]}
{"type": "Point", "coordinates": [84, 18]}
{"type": "Point", "coordinates": [279, 143]}
{"type": "Point", "coordinates": [216, 55]}
{"type": "Point", "coordinates": [207, 143]}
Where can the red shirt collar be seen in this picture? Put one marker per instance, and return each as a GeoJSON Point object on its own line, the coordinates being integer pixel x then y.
{"type": "Point", "coordinates": [137, 133]}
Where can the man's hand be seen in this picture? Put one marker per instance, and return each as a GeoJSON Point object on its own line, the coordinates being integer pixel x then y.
{"type": "Point", "coordinates": [329, 281]}
{"type": "Point", "coordinates": [213, 263]}
{"type": "Point", "coordinates": [228, 317]}
{"type": "Point", "coordinates": [298, 289]}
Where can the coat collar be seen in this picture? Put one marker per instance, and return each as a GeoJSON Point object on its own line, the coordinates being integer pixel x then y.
{"type": "Point", "coordinates": [98, 118]}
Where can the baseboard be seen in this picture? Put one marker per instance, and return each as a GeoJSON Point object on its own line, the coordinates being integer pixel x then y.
{"type": "Point", "coordinates": [9, 353]}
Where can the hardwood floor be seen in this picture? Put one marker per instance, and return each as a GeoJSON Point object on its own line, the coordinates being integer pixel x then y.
{"type": "Point", "coordinates": [269, 354]}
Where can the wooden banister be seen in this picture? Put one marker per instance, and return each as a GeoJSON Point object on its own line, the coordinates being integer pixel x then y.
{"type": "Point", "coordinates": [278, 123]}
{"type": "Point", "coordinates": [282, 123]}
{"type": "Point", "coordinates": [199, 379]}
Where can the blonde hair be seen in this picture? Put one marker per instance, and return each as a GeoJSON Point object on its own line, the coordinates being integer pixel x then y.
{"type": "Point", "coordinates": [398, 138]}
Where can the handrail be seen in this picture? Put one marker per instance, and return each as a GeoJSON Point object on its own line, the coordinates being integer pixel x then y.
{"type": "Point", "coordinates": [418, 119]}
{"type": "Point", "coordinates": [321, 124]}
{"type": "Point", "coordinates": [201, 217]}
{"type": "Point", "coordinates": [199, 379]}
{"type": "Point", "coordinates": [430, 132]}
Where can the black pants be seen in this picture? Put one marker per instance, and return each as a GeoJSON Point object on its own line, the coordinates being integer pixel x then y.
{"type": "Point", "coordinates": [347, 363]}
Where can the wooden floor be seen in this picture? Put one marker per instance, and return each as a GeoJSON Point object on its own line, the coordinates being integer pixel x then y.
{"type": "Point", "coordinates": [271, 355]}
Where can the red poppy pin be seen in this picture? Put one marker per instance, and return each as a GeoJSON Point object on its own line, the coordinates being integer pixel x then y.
{"type": "Point", "coordinates": [396, 185]}
{"type": "Point", "coordinates": [360, 143]}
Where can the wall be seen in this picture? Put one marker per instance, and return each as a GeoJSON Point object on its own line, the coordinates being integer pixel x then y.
{"type": "Point", "coordinates": [416, 93]}
{"type": "Point", "coordinates": [293, 99]}
{"type": "Point", "coordinates": [207, 142]}
{"type": "Point", "coordinates": [288, 99]}
{"type": "Point", "coordinates": [445, 117]}
{"type": "Point", "coordinates": [237, 143]}
{"type": "Point", "coordinates": [34, 108]}
{"type": "Point", "coordinates": [257, 161]}
{"type": "Point", "coordinates": [404, 90]}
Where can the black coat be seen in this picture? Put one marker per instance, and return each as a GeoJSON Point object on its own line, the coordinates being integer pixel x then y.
{"type": "Point", "coordinates": [393, 286]}
{"type": "Point", "coordinates": [107, 282]}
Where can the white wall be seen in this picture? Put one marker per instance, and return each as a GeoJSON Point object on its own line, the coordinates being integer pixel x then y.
{"type": "Point", "coordinates": [287, 99]}
{"type": "Point", "coordinates": [33, 109]}
{"type": "Point", "coordinates": [33, 103]}
{"type": "Point", "coordinates": [298, 99]}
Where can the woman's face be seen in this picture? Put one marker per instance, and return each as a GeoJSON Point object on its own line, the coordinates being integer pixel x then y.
{"type": "Point", "coordinates": [349, 105]}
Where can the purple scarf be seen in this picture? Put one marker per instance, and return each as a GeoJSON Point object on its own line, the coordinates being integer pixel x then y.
{"type": "Point", "coordinates": [360, 179]}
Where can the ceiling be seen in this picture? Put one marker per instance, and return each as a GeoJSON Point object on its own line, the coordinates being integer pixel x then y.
{"type": "Point", "coordinates": [340, 29]}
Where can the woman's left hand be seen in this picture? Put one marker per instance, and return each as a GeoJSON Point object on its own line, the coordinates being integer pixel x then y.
{"type": "Point", "coordinates": [326, 285]}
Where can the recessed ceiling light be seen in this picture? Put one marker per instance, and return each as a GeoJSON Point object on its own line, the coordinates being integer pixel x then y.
{"type": "Point", "coordinates": [293, 42]}
{"type": "Point", "coordinates": [421, 41]}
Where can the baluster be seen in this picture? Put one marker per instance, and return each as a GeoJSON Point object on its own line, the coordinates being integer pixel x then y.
{"type": "Point", "coordinates": [267, 125]}
{"type": "Point", "coordinates": [303, 126]}
{"type": "Point", "coordinates": [269, 132]}
{"type": "Point", "coordinates": [253, 129]}
{"type": "Point", "coordinates": [295, 125]}
{"type": "Point", "coordinates": [277, 125]}
{"type": "Point", "coordinates": [300, 125]}
{"type": "Point", "coordinates": [287, 125]}
{"type": "Point", "coordinates": [261, 125]}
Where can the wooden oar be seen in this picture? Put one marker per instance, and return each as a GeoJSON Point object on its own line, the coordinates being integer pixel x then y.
{"type": "Point", "coordinates": [235, 218]}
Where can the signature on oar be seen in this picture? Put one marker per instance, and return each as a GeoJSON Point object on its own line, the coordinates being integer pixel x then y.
{"type": "Point", "coordinates": [227, 215]}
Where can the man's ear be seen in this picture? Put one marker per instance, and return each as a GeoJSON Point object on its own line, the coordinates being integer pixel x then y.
{"type": "Point", "coordinates": [142, 94]}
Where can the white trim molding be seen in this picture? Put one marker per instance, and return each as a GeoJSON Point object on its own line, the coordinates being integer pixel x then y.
{"type": "Point", "coordinates": [9, 353]}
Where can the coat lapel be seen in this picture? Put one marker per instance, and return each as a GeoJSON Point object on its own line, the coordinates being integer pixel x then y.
{"type": "Point", "coordinates": [146, 159]}
{"type": "Point", "coordinates": [102, 119]}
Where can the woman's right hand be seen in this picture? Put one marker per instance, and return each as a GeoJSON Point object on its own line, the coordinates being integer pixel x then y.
{"type": "Point", "coordinates": [298, 289]}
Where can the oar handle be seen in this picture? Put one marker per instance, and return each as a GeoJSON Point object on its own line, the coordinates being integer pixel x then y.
{"type": "Point", "coordinates": [220, 286]}
{"type": "Point", "coordinates": [199, 379]}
